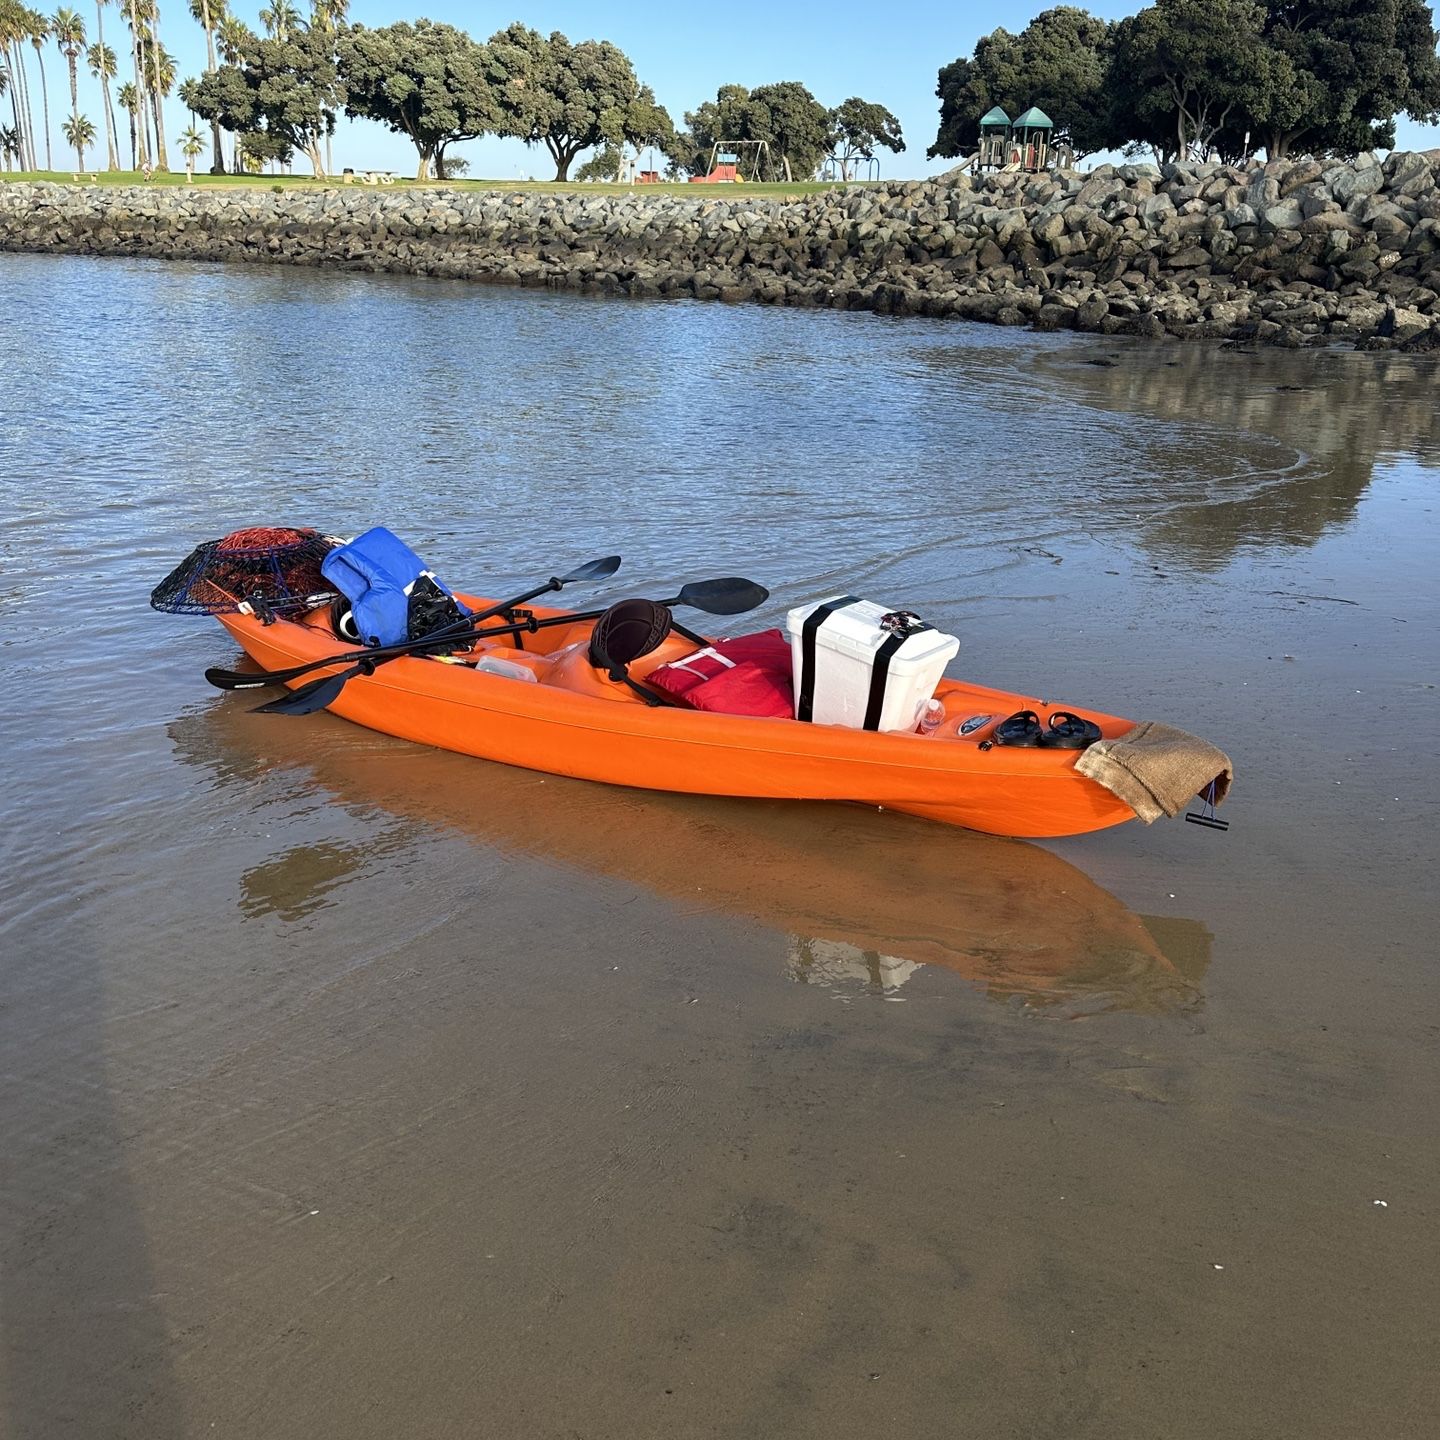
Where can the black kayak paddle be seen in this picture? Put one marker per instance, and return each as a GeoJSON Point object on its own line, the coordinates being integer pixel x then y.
{"type": "Point", "coordinates": [255, 679]}
{"type": "Point", "coordinates": [729, 595]}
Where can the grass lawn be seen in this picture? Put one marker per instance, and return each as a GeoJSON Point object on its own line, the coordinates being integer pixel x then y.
{"type": "Point", "coordinates": [309, 182]}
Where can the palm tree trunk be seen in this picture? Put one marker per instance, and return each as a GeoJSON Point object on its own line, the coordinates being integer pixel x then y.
{"type": "Point", "coordinates": [134, 153]}
{"type": "Point", "coordinates": [45, 103]}
{"type": "Point", "coordinates": [139, 112]}
{"type": "Point", "coordinates": [161, 163]}
{"type": "Point", "coordinates": [110, 150]}
{"type": "Point", "coordinates": [27, 129]}
{"type": "Point", "coordinates": [217, 157]}
{"type": "Point", "coordinates": [14, 99]}
{"type": "Point", "coordinates": [114, 127]}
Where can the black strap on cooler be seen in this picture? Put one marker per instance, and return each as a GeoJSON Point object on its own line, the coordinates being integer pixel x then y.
{"type": "Point", "coordinates": [903, 625]}
{"type": "Point", "coordinates": [805, 699]}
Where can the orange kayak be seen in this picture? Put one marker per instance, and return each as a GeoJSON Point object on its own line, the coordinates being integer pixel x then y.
{"type": "Point", "coordinates": [571, 720]}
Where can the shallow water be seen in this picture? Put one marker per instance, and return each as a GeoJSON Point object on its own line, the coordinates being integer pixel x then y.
{"type": "Point", "coordinates": [351, 1088]}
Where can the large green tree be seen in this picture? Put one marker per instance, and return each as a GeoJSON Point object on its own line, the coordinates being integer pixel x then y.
{"type": "Point", "coordinates": [1185, 71]}
{"type": "Point", "coordinates": [1059, 62]}
{"type": "Point", "coordinates": [786, 116]}
{"type": "Point", "coordinates": [286, 91]}
{"type": "Point", "coordinates": [727, 117]}
{"type": "Point", "coordinates": [425, 81]}
{"type": "Point", "coordinates": [569, 97]}
{"type": "Point", "coordinates": [1353, 65]}
{"type": "Point", "coordinates": [798, 126]}
{"type": "Point", "coordinates": [857, 129]}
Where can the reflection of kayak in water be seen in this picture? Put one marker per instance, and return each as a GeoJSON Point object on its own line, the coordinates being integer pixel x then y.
{"type": "Point", "coordinates": [865, 896]}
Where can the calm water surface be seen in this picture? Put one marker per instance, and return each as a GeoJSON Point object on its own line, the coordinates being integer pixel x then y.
{"type": "Point", "coordinates": [351, 1088]}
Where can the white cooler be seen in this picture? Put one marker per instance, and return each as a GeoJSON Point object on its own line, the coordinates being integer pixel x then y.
{"type": "Point", "coordinates": [851, 670]}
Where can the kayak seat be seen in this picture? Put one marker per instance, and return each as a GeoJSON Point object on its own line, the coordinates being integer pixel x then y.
{"type": "Point", "coordinates": [570, 669]}
{"type": "Point", "coordinates": [626, 633]}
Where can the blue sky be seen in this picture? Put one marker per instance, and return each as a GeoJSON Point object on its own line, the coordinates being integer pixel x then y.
{"type": "Point", "coordinates": [680, 51]}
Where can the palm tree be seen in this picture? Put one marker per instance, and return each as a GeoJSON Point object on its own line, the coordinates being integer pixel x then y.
{"type": "Point", "coordinates": [107, 111]}
{"type": "Point", "coordinates": [232, 35]}
{"type": "Point", "coordinates": [192, 142]}
{"type": "Point", "coordinates": [69, 32]}
{"type": "Point", "coordinates": [130, 102]}
{"type": "Point", "coordinates": [9, 138]}
{"type": "Point", "coordinates": [101, 59]}
{"type": "Point", "coordinates": [4, 74]}
{"type": "Point", "coordinates": [162, 81]}
{"type": "Point", "coordinates": [80, 133]}
{"type": "Point", "coordinates": [144, 18]}
{"type": "Point", "coordinates": [137, 89]}
{"type": "Point", "coordinates": [279, 18]}
{"type": "Point", "coordinates": [39, 34]}
{"type": "Point", "coordinates": [15, 28]}
{"type": "Point", "coordinates": [209, 14]}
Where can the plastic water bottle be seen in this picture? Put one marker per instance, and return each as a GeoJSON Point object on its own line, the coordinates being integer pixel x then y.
{"type": "Point", "coordinates": [932, 713]}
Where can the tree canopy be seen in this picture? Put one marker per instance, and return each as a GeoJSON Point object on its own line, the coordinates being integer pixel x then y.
{"type": "Point", "coordinates": [1060, 62]}
{"type": "Point", "coordinates": [570, 97]}
{"type": "Point", "coordinates": [426, 81]}
{"type": "Point", "coordinates": [1199, 76]}
{"type": "Point", "coordinates": [792, 122]}
{"type": "Point", "coordinates": [798, 125]}
{"type": "Point", "coordinates": [857, 129]}
{"type": "Point", "coordinates": [1354, 66]}
{"type": "Point", "coordinates": [286, 91]}
{"type": "Point", "coordinates": [1184, 71]}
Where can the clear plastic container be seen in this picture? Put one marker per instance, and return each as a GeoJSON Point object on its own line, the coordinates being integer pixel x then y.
{"type": "Point", "coordinates": [930, 717]}
{"type": "Point", "coordinates": [509, 669]}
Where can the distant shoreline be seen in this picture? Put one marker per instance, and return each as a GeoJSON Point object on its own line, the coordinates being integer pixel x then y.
{"type": "Point", "coordinates": [1293, 253]}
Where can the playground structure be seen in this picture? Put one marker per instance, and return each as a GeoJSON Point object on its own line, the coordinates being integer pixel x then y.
{"type": "Point", "coordinates": [1025, 143]}
{"type": "Point", "coordinates": [834, 170]}
{"type": "Point", "coordinates": [725, 163]}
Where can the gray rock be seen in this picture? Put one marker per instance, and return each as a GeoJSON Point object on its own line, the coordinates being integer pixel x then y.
{"type": "Point", "coordinates": [1156, 209]}
{"type": "Point", "coordinates": [1352, 182]}
{"type": "Point", "coordinates": [1262, 192]}
{"type": "Point", "coordinates": [1286, 215]}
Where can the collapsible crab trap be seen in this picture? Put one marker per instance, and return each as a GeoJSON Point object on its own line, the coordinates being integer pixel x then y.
{"type": "Point", "coordinates": [265, 568]}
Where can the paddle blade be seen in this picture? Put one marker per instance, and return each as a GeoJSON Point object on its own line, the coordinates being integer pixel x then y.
{"type": "Point", "coordinates": [308, 698]}
{"type": "Point", "coordinates": [237, 679]}
{"type": "Point", "coordinates": [729, 595]}
{"type": "Point", "coordinates": [595, 570]}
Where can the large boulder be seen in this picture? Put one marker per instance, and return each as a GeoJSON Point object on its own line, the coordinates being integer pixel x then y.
{"type": "Point", "coordinates": [1353, 182]}
{"type": "Point", "coordinates": [1286, 215]}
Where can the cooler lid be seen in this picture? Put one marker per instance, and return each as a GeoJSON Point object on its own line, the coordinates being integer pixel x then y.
{"type": "Point", "coordinates": [855, 630]}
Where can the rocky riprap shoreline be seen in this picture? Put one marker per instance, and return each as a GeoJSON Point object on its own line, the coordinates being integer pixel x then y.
{"type": "Point", "coordinates": [1291, 253]}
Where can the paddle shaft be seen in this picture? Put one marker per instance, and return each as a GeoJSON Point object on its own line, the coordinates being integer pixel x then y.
{"type": "Point", "coordinates": [464, 630]}
{"type": "Point", "coordinates": [254, 680]}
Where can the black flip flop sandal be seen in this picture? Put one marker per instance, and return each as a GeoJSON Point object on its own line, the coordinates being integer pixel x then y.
{"type": "Point", "coordinates": [1069, 732]}
{"type": "Point", "coordinates": [1021, 729]}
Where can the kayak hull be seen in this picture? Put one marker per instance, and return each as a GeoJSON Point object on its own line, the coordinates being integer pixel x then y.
{"type": "Point", "coordinates": [1024, 793]}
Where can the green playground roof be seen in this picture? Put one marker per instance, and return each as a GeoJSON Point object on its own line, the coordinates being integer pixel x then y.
{"type": "Point", "coordinates": [1035, 119]}
{"type": "Point", "coordinates": [995, 116]}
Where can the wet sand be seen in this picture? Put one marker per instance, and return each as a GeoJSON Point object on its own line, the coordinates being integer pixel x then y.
{"type": "Point", "coordinates": [354, 1089]}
